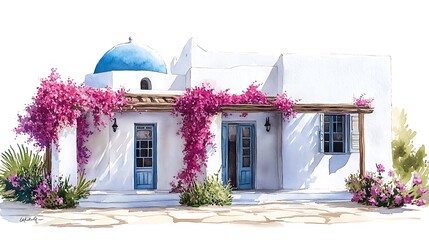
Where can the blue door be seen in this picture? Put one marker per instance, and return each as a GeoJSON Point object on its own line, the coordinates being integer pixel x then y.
{"type": "Point", "coordinates": [145, 156]}
{"type": "Point", "coordinates": [238, 147]}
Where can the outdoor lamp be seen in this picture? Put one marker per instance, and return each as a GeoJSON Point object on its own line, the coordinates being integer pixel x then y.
{"type": "Point", "coordinates": [267, 124]}
{"type": "Point", "coordinates": [114, 126]}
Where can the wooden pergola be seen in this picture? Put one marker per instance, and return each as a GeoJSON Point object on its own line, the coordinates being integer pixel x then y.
{"type": "Point", "coordinates": [164, 103]}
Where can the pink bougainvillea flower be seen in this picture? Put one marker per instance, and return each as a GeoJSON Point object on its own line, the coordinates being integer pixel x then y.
{"type": "Point", "coordinates": [421, 191]}
{"type": "Point", "coordinates": [59, 104]}
{"type": "Point", "coordinates": [416, 179]}
{"type": "Point", "coordinates": [420, 202]}
{"type": "Point", "coordinates": [362, 101]}
{"type": "Point", "coordinates": [408, 198]}
{"type": "Point", "coordinates": [380, 168]}
{"type": "Point", "coordinates": [197, 107]}
{"type": "Point", "coordinates": [398, 199]}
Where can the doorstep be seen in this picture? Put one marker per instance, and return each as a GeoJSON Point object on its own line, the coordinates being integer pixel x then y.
{"type": "Point", "coordinates": [141, 198]}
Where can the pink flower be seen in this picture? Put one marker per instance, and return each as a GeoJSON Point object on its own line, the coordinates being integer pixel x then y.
{"type": "Point", "coordinates": [409, 198]}
{"type": "Point", "coordinates": [362, 101]}
{"type": "Point", "coordinates": [420, 202]}
{"type": "Point", "coordinates": [390, 173]}
{"type": "Point", "coordinates": [372, 201]}
{"type": "Point", "coordinates": [416, 179]}
{"type": "Point", "coordinates": [356, 198]}
{"type": "Point", "coordinates": [380, 168]}
{"type": "Point", "coordinates": [421, 191]}
{"type": "Point", "coordinates": [398, 200]}
{"type": "Point", "coordinates": [59, 104]}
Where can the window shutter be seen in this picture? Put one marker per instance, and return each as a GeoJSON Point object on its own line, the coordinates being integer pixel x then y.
{"type": "Point", "coordinates": [354, 133]}
{"type": "Point", "coordinates": [321, 133]}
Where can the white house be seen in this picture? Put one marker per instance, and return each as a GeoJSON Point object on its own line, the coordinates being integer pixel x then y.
{"type": "Point", "coordinates": [315, 150]}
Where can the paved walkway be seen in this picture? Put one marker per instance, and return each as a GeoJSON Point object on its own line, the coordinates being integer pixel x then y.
{"type": "Point", "coordinates": [327, 213]}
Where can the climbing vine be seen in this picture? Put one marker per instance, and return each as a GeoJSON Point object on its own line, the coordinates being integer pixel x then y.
{"type": "Point", "coordinates": [59, 104]}
{"type": "Point", "coordinates": [197, 107]}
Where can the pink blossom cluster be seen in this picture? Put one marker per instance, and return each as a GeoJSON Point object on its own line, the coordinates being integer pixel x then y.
{"type": "Point", "coordinates": [59, 104]}
{"type": "Point", "coordinates": [285, 105]}
{"type": "Point", "coordinates": [15, 181]}
{"type": "Point", "coordinates": [196, 108]}
{"type": "Point", "coordinates": [47, 197]}
{"type": "Point", "coordinates": [251, 96]}
{"type": "Point", "coordinates": [372, 190]}
{"type": "Point", "coordinates": [362, 101]}
{"type": "Point", "coordinates": [83, 152]}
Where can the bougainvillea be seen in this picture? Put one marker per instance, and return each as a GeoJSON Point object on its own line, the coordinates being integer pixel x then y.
{"type": "Point", "coordinates": [285, 105]}
{"type": "Point", "coordinates": [372, 190]}
{"type": "Point", "coordinates": [197, 108]}
{"type": "Point", "coordinates": [59, 104]}
{"type": "Point", "coordinates": [362, 101]}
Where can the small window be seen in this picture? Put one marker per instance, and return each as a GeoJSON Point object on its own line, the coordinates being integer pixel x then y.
{"type": "Point", "coordinates": [145, 84]}
{"type": "Point", "coordinates": [339, 133]}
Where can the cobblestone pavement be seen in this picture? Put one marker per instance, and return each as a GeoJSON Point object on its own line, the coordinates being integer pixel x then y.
{"type": "Point", "coordinates": [325, 213]}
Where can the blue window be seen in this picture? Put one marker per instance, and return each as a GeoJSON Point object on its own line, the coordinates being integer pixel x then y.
{"type": "Point", "coordinates": [339, 133]}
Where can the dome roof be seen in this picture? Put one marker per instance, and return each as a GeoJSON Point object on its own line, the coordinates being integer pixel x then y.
{"type": "Point", "coordinates": [131, 57]}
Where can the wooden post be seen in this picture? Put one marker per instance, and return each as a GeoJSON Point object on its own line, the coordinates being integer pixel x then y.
{"type": "Point", "coordinates": [48, 160]}
{"type": "Point", "coordinates": [361, 144]}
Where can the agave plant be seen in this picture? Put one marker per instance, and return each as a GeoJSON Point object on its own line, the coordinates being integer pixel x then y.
{"type": "Point", "coordinates": [21, 172]}
{"type": "Point", "coordinates": [21, 161]}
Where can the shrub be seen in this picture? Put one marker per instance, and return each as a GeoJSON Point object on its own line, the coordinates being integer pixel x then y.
{"type": "Point", "coordinates": [22, 178]}
{"type": "Point", "coordinates": [211, 192]}
{"type": "Point", "coordinates": [406, 158]}
{"type": "Point", "coordinates": [21, 172]}
{"type": "Point", "coordinates": [63, 195]}
{"type": "Point", "coordinates": [371, 190]}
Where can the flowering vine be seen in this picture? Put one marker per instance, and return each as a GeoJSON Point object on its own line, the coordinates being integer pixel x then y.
{"type": "Point", "coordinates": [361, 101]}
{"type": "Point", "coordinates": [59, 104]}
{"type": "Point", "coordinates": [197, 108]}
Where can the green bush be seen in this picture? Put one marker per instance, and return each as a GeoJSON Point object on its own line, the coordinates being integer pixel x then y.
{"type": "Point", "coordinates": [23, 178]}
{"type": "Point", "coordinates": [21, 172]}
{"type": "Point", "coordinates": [211, 192]}
{"type": "Point", "coordinates": [406, 159]}
{"type": "Point", "coordinates": [71, 194]}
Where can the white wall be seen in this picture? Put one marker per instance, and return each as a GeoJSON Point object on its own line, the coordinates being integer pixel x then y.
{"type": "Point", "coordinates": [130, 80]}
{"type": "Point", "coordinates": [334, 79]}
{"type": "Point", "coordinates": [64, 159]}
{"type": "Point", "coordinates": [223, 70]}
{"type": "Point", "coordinates": [112, 159]}
{"type": "Point", "coordinates": [237, 79]}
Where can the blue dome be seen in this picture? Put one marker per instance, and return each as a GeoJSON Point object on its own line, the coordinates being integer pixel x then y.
{"type": "Point", "coordinates": [130, 57]}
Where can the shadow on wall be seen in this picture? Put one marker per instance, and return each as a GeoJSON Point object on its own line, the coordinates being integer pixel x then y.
{"type": "Point", "coordinates": [302, 153]}
{"type": "Point", "coordinates": [337, 162]}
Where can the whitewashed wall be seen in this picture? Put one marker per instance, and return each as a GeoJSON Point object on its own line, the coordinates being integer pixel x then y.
{"type": "Point", "coordinates": [334, 79]}
{"type": "Point", "coordinates": [130, 80]}
{"type": "Point", "coordinates": [112, 159]}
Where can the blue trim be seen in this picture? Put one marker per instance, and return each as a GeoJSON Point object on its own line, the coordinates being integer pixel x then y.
{"type": "Point", "coordinates": [224, 153]}
{"type": "Point", "coordinates": [146, 171]}
{"type": "Point", "coordinates": [245, 175]}
{"type": "Point", "coordinates": [334, 122]}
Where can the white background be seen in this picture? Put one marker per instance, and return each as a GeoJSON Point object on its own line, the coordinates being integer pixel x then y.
{"type": "Point", "coordinates": [72, 36]}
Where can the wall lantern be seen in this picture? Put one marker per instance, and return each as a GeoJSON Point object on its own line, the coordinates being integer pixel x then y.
{"type": "Point", "coordinates": [114, 126]}
{"type": "Point", "coordinates": [267, 124]}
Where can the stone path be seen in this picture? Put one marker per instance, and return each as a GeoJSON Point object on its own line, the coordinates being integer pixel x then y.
{"type": "Point", "coordinates": [328, 213]}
